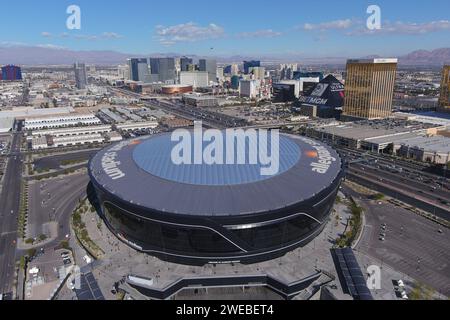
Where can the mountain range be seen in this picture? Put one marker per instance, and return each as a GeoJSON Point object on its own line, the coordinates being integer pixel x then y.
{"type": "Point", "coordinates": [38, 55]}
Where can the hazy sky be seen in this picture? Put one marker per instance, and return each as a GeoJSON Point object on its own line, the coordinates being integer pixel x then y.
{"type": "Point", "coordinates": [314, 28]}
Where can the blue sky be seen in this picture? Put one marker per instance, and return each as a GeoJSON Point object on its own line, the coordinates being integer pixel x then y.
{"type": "Point", "coordinates": [312, 28]}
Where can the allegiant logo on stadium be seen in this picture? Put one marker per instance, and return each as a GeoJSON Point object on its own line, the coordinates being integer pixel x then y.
{"type": "Point", "coordinates": [323, 157]}
{"type": "Point", "coordinates": [109, 163]}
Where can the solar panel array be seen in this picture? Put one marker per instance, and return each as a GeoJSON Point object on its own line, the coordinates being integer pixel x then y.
{"type": "Point", "coordinates": [351, 274]}
{"type": "Point", "coordinates": [89, 288]}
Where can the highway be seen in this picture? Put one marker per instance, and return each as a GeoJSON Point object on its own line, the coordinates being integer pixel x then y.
{"type": "Point", "coordinates": [9, 207]}
{"type": "Point", "coordinates": [399, 179]}
{"type": "Point", "coordinates": [434, 194]}
{"type": "Point", "coordinates": [410, 166]}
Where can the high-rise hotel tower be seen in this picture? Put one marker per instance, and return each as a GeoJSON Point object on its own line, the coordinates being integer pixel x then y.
{"type": "Point", "coordinates": [444, 98]}
{"type": "Point", "coordinates": [369, 88]}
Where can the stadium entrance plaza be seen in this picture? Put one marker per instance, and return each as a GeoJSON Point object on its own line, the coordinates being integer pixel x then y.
{"type": "Point", "coordinates": [121, 260]}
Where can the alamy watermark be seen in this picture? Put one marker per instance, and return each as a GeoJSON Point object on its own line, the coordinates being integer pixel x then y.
{"type": "Point", "coordinates": [74, 280]}
{"type": "Point", "coordinates": [374, 20]}
{"type": "Point", "coordinates": [73, 22]}
{"type": "Point", "coordinates": [232, 147]}
{"type": "Point", "coordinates": [374, 279]}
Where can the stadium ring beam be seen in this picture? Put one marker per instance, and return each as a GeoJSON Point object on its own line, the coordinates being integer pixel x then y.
{"type": "Point", "coordinates": [197, 214]}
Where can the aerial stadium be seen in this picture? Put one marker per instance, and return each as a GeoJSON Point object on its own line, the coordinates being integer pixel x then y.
{"type": "Point", "coordinates": [198, 214]}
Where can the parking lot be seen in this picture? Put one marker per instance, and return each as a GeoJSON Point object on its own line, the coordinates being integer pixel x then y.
{"type": "Point", "coordinates": [139, 132]}
{"type": "Point", "coordinates": [411, 244]}
{"type": "Point", "coordinates": [45, 271]}
{"type": "Point", "coordinates": [50, 203]}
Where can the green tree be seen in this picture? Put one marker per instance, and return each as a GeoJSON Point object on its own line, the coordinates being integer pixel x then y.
{"type": "Point", "coordinates": [31, 252]}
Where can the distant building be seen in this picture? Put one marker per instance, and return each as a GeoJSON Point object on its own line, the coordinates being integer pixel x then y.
{"type": "Point", "coordinates": [220, 74]}
{"type": "Point", "coordinates": [369, 88]}
{"type": "Point", "coordinates": [210, 66]}
{"type": "Point", "coordinates": [197, 100]}
{"type": "Point", "coordinates": [123, 72]}
{"type": "Point", "coordinates": [192, 67]}
{"type": "Point", "coordinates": [227, 69]}
{"type": "Point", "coordinates": [248, 89]}
{"type": "Point", "coordinates": [163, 70]}
{"type": "Point", "coordinates": [312, 74]}
{"type": "Point", "coordinates": [184, 63]}
{"type": "Point", "coordinates": [251, 64]}
{"type": "Point", "coordinates": [287, 71]}
{"type": "Point", "coordinates": [60, 121]}
{"type": "Point", "coordinates": [296, 84]}
{"type": "Point", "coordinates": [283, 92]}
{"type": "Point", "coordinates": [444, 99]}
{"type": "Point", "coordinates": [325, 100]}
{"type": "Point", "coordinates": [11, 73]}
{"type": "Point", "coordinates": [196, 79]}
{"type": "Point", "coordinates": [307, 86]}
{"type": "Point", "coordinates": [131, 126]}
{"type": "Point", "coordinates": [258, 73]}
{"type": "Point", "coordinates": [80, 75]}
{"type": "Point", "coordinates": [144, 74]}
{"type": "Point", "coordinates": [174, 89]}
{"type": "Point", "coordinates": [235, 82]}
{"type": "Point", "coordinates": [234, 69]}
{"type": "Point", "coordinates": [133, 67]}
{"type": "Point", "coordinates": [308, 80]}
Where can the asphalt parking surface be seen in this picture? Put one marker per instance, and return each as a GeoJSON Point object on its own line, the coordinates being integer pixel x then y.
{"type": "Point", "coordinates": [54, 200]}
{"type": "Point", "coordinates": [413, 245]}
{"type": "Point", "coordinates": [54, 162]}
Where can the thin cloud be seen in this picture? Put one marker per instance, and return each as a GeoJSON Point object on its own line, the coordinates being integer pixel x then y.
{"type": "Point", "coordinates": [111, 35]}
{"type": "Point", "coordinates": [8, 44]}
{"type": "Point", "coordinates": [50, 46]}
{"type": "Point", "coordinates": [103, 36]}
{"type": "Point", "coordinates": [268, 33]}
{"type": "Point", "coordinates": [402, 28]}
{"type": "Point", "coordinates": [330, 25]}
{"type": "Point", "coordinates": [188, 32]}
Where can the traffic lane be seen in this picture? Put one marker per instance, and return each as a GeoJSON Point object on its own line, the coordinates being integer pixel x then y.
{"type": "Point", "coordinates": [65, 211]}
{"type": "Point", "coordinates": [412, 199]}
{"type": "Point", "coordinates": [389, 160]}
{"type": "Point", "coordinates": [9, 207]}
{"type": "Point", "coordinates": [8, 258]}
{"type": "Point", "coordinates": [415, 168]}
{"type": "Point", "coordinates": [412, 244]}
{"type": "Point", "coordinates": [400, 187]}
{"type": "Point", "coordinates": [426, 188]}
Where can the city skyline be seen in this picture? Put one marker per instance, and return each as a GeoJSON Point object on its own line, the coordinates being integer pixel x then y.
{"type": "Point", "coordinates": [204, 28]}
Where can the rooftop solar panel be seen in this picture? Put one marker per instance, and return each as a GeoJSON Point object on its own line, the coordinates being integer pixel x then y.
{"type": "Point", "coordinates": [89, 289]}
{"type": "Point", "coordinates": [351, 274]}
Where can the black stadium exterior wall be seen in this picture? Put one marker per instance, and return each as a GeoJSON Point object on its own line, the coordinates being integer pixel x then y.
{"type": "Point", "coordinates": [198, 240]}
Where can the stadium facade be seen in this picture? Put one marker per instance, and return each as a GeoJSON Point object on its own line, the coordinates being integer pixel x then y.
{"type": "Point", "coordinates": [199, 214]}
